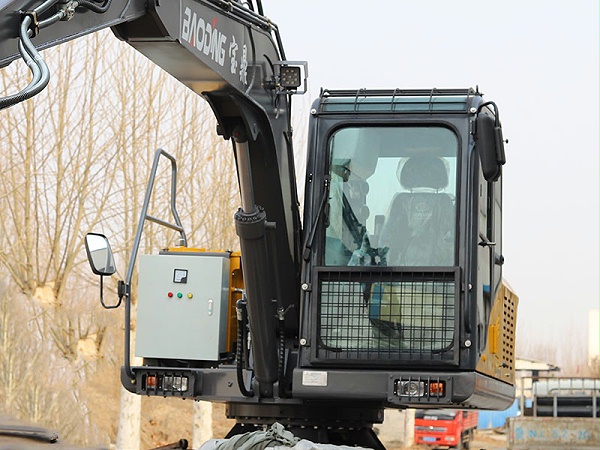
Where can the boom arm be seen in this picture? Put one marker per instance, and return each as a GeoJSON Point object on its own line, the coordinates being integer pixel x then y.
{"type": "Point", "coordinates": [228, 54]}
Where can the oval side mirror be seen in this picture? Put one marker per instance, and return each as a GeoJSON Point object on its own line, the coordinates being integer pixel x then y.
{"type": "Point", "coordinates": [99, 254]}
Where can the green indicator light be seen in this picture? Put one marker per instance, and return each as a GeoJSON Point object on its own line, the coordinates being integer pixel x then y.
{"type": "Point", "coordinates": [179, 295]}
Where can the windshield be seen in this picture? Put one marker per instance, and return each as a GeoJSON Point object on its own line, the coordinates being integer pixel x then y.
{"type": "Point", "coordinates": [392, 197]}
{"type": "Point", "coordinates": [435, 414]}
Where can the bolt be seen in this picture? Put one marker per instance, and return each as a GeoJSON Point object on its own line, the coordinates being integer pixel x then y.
{"type": "Point", "coordinates": [305, 286]}
{"type": "Point", "coordinates": [468, 343]}
{"type": "Point", "coordinates": [473, 110]}
{"type": "Point", "coordinates": [313, 111]}
{"type": "Point", "coordinates": [302, 341]}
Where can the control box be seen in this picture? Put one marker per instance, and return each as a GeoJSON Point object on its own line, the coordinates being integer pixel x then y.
{"type": "Point", "coordinates": [182, 306]}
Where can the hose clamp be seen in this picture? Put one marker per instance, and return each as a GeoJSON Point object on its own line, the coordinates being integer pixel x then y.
{"type": "Point", "coordinates": [35, 25]}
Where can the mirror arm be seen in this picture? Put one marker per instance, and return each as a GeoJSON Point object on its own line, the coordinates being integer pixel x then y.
{"type": "Point", "coordinates": [485, 242]}
{"type": "Point", "coordinates": [122, 289]}
{"type": "Point", "coordinates": [102, 295]}
{"type": "Point", "coordinates": [124, 292]}
{"type": "Point", "coordinates": [498, 259]}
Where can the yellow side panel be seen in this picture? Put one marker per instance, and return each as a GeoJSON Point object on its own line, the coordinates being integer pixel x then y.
{"type": "Point", "coordinates": [190, 249]}
{"type": "Point", "coordinates": [498, 359]}
{"type": "Point", "coordinates": [236, 282]}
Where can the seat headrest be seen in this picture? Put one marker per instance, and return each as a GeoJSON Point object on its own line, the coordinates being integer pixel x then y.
{"type": "Point", "coordinates": [423, 171]}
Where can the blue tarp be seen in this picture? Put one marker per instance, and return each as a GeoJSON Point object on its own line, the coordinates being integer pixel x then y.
{"type": "Point", "coordinates": [496, 419]}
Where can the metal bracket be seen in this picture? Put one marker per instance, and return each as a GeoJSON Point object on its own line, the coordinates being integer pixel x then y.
{"type": "Point", "coordinates": [35, 25]}
{"type": "Point", "coordinates": [68, 7]}
{"type": "Point", "coordinates": [289, 76]}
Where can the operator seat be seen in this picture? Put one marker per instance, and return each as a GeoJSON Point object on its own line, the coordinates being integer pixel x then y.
{"type": "Point", "coordinates": [419, 227]}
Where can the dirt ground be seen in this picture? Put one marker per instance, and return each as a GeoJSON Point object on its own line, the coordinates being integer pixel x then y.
{"type": "Point", "coordinates": [488, 440]}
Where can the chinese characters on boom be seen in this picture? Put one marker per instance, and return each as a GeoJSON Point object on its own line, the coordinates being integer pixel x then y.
{"type": "Point", "coordinates": [205, 37]}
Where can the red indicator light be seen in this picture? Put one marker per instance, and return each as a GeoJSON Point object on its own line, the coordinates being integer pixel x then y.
{"type": "Point", "coordinates": [151, 382]}
{"type": "Point", "coordinates": [170, 294]}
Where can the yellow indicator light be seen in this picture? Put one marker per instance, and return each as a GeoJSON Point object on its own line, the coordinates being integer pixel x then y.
{"type": "Point", "coordinates": [190, 295]}
{"type": "Point", "coordinates": [436, 389]}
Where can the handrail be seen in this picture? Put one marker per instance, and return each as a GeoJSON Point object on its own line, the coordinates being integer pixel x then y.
{"type": "Point", "coordinates": [138, 235]}
{"type": "Point", "coordinates": [384, 101]}
{"type": "Point", "coordinates": [329, 93]}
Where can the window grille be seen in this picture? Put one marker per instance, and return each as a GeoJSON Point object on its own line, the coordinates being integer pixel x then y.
{"type": "Point", "coordinates": [386, 315]}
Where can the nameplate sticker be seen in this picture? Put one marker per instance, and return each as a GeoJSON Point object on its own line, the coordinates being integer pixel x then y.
{"type": "Point", "coordinates": [312, 378]}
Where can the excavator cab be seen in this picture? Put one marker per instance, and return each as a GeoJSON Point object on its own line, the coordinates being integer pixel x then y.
{"type": "Point", "coordinates": [401, 298]}
{"type": "Point", "coordinates": [403, 294]}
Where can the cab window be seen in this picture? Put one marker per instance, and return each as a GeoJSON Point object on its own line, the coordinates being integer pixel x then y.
{"type": "Point", "coordinates": [392, 197]}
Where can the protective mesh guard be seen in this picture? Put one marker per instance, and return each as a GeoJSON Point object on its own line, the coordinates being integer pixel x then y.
{"type": "Point", "coordinates": [387, 316]}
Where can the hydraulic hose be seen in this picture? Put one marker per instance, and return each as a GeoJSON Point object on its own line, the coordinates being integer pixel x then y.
{"type": "Point", "coordinates": [44, 6]}
{"type": "Point", "coordinates": [95, 7]}
{"type": "Point", "coordinates": [242, 318]}
{"type": "Point", "coordinates": [28, 48]}
{"type": "Point", "coordinates": [281, 365]}
{"type": "Point", "coordinates": [37, 66]}
{"type": "Point", "coordinates": [39, 70]}
{"type": "Point", "coordinates": [27, 432]}
{"type": "Point", "coordinates": [33, 66]}
{"type": "Point", "coordinates": [52, 19]}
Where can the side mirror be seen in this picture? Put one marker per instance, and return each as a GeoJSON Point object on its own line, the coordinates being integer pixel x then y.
{"type": "Point", "coordinates": [99, 254]}
{"type": "Point", "coordinates": [101, 261]}
{"type": "Point", "coordinates": [489, 143]}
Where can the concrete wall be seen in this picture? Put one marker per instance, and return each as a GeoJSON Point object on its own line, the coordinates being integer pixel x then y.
{"type": "Point", "coordinates": [546, 433]}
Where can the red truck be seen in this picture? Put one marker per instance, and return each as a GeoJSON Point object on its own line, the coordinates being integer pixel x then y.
{"type": "Point", "coordinates": [445, 427]}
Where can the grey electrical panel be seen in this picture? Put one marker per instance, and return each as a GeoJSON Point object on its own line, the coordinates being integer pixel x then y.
{"type": "Point", "coordinates": [182, 306]}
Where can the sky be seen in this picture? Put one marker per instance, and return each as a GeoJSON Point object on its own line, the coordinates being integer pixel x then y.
{"type": "Point", "coordinates": [538, 60]}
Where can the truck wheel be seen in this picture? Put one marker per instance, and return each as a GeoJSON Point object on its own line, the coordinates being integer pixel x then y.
{"type": "Point", "coordinates": [459, 446]}
{"type": "Point", "coordinates": [467, 441]}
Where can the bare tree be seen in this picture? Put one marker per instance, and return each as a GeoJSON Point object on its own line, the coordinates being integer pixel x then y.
{"type": "Point", "coordinates": [46, 191]}
{"type": "Point", "coordinates": [50, 177]}
{"type": "Point", "coordinates": [594, 368]}
{"type": "Point", "coordinates": [76, 158]}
